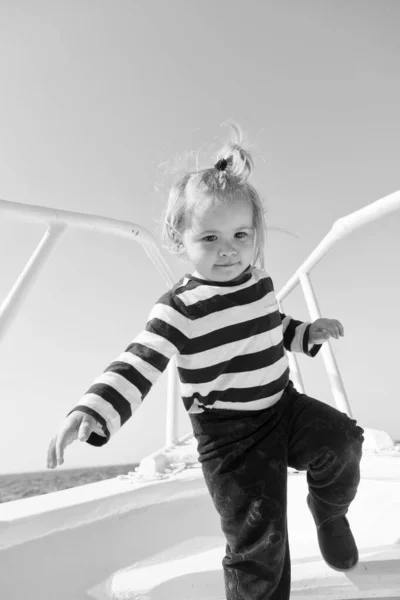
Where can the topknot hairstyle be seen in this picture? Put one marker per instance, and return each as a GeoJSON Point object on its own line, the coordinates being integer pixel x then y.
{"type": "Point", "coordinates": [227, 179]}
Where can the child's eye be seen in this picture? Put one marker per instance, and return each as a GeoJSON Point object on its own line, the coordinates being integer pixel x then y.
{"type": "Point", "coordinates": [238, 235]}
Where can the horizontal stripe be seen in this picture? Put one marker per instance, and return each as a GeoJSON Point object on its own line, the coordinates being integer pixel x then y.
{"type": "Point", "coordinates": [149, 356]}
{"type": "Point", "coordinates": [232, 333]}
{"type": "Point", "coordinates": [106, 410]}
{"type": "Point", "coordinates": [172, 312]}
{"type": "Point", "coordinates": [245, 379]}
{"type": "Point", "coordinates": [109, 394]}
{"type": "Point", "coordinates": [229, 351]}
{"type": "Point", "coordinates": [156, 342]}
{"type": "Point", "coordinates": [126, 380]}
{"type": "Point", "coordinates": [236, 395]}
{"type": "Point", "coordinates": [298, 337]}
{"type": "Point", "coordinates": [237, 364]}
{"type": "Point", "coordinates": [168, 332]}
{"type": "Point", "coordinates": [219, 302]}
{"type": "Point", "coordinates": [142, 361]}
{"type": "Point", "coordinates": [234, 315]}
{"type": "Point", "coordinates": [191, 290]}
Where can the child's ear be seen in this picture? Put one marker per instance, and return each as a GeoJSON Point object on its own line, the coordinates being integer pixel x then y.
{"type": "Point", "coordinates": [181, 249]}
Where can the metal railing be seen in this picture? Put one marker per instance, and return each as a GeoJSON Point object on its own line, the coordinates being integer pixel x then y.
{"type": "Point", "coordinates": [340, 229]}
{"type": "Point", "coordinates": [59, 220]}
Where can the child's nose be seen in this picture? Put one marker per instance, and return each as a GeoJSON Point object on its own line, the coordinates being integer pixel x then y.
{"type": "Point", "coordinates": [227, 251]}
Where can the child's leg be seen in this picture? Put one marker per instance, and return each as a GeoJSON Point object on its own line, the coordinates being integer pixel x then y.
{"type": "Point", "coordinates": [244, 461]}
{"type": "Point", "coordinates": [326, 443]}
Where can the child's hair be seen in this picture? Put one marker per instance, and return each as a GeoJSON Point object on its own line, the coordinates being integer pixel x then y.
{"type": "Point", "coordinates": [227, 179]}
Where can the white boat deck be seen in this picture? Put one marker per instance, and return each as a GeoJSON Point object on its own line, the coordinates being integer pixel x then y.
{"type": "Point", "coordinates": [157, 537]}
{"type": "Point", "coordinates": [195, 572]}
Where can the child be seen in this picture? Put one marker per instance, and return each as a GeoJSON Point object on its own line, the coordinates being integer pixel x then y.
{"type": "Point", "coordinates": [223, 323]}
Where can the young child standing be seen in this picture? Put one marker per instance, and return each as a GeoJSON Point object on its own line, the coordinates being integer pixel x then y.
{"type": "Point", "coordinates": [223, 323]}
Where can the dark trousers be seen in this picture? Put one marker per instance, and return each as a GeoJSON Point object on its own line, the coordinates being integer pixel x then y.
{"type": "Point", "coordinates": [244, 457]}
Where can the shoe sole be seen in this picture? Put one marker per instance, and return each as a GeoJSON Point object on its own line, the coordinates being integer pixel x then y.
{"type": "Point", "coordinates": [340, 570]}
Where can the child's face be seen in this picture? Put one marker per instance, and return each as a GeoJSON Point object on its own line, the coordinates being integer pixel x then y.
{"type": "Point", "coordinates": [220, 240]}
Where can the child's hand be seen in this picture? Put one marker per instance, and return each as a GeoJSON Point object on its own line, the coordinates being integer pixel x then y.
{"type": "Point", "coordinates": [322, 329]}
{"type": "Point", "coordinates": [78, 425]}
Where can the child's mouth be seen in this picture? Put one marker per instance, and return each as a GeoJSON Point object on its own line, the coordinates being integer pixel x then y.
{"type": "Point", "coordinates": [225, 266]}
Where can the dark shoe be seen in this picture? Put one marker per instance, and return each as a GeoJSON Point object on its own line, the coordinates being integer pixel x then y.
{"type": "Point", "coordinates": [336, 542]}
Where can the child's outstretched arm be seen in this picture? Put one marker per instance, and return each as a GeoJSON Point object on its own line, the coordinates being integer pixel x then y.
{"type": "Point", "coordinates": [119, 391]}
{"type": "Point", "coordinates": [78, 425]}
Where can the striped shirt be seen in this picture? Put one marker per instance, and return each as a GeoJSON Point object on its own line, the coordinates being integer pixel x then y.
{"type": "Point", "coordinates": [230, 342]}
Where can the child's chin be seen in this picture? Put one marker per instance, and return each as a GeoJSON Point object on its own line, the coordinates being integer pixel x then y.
{"type": "Point", "coordinates": [228, 273]}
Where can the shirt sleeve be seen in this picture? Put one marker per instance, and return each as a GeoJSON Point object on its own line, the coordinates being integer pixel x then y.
{"type": "Point", "coordinates": [296, 335]}
{"type": "Point", "coordinates": [118, 392]}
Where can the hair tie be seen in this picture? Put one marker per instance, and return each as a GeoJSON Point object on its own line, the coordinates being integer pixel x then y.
{"type": "Point", "coordinates": [221, 164]}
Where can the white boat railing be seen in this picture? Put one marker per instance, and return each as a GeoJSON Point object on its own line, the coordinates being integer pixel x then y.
{"type": "Point", "coordinates": [58, 221]}
{"type": "Point", "coordinates": [340, 229]}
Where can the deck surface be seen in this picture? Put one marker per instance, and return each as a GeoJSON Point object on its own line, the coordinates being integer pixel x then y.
{"type": "Point", "coordinates": [375, 519]}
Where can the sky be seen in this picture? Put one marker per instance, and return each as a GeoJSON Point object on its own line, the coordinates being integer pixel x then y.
{"type": "Point", "coordinates": [99, 99]}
